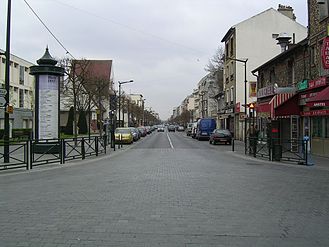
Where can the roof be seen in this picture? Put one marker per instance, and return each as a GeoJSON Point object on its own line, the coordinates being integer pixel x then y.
{"type": "Point", "coordinates": [232, 29]}
{"type": "Point", "coordinates": [97, 72]}
{"type": "Point", "coordinates": [284, 54]}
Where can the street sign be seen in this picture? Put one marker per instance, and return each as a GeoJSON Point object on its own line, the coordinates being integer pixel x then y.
{"type": "Point", "coordinates": [3, 91]}
{"type": "Point", "coordinates": [2, 101]}
{"type": "Point", "coordinates": [10, 109]}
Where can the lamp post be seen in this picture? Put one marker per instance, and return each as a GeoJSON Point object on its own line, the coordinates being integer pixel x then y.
{"type": "Point", "coordinates": [245, 97]}
{"type": "Point", "coordinates": [120, 83]}
{"type": "Point", "coordinates": [7, 86]}
{"type": "Point", "coordinates": [143, 112]}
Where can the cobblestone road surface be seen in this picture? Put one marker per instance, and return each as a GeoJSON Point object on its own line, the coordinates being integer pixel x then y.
{"type": "Point", "coordinates": [154, 193]}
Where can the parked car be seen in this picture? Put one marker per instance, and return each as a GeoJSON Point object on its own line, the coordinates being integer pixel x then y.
{"type": "Point", "coordinates": [143, 131]}
{"type": "Point", "coordinates": [123, 135]}
{"type": "Point", "coordinates": [136, 134]}
{"type": "Point", "coordinates": [171, 128]}
{"type": "Point", "coordinates": [220, 135]}
{"type": "Point", "coordinates": [194, 128]}
{"type": "Point", "coordinates": [205, 126]}
{"type": "Point", "coordinates": [189, 129]}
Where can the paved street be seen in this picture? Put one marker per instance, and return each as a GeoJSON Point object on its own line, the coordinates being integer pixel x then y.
{"type": "Point", "coordinates": [166, 190]}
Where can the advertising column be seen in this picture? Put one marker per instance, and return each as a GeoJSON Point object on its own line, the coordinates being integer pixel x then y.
{"type": "Point", "coordinates": [48, 106]}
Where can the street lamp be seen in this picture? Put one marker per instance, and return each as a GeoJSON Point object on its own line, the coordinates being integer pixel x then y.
{"type": "Point", "coordinates": [245, 97]}
{"type": "Point", "coordinates": [120, 83]}
{"type": "Point", "coordinates": [143, 117]}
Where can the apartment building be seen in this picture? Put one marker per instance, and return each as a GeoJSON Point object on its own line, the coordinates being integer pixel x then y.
{"type": "Point", "coordinates": [250, 43]}
{"type": "Point", "coordinates": [21, 94]}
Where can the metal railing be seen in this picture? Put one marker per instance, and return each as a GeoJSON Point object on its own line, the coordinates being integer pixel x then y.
{"type": "Point", "coordinates": [32, 153]}
{"type": "Point", "coordinates": [277, 149]}
{"type": "Point", "coordinates": [18, 154]}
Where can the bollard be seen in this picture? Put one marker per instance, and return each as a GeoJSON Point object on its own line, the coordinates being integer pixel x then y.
{"type": "Point", "coordinates": [83, 151]}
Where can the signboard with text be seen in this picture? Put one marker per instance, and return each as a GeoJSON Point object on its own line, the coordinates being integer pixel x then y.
{"type": "Point", "coordinates": [320, 82]}
{"type": "Point", "coordinates": [48, 110]}
{"type": "Point", "coordinates": [265, 92]}
{"type": "Point", "coordinates": [325, 53]}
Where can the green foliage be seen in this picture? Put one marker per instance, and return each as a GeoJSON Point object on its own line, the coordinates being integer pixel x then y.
{"type": "Point", "coordinates": [70, 120]}
{"type": "Point", "coordinates": [82, 122]}
{"type": "Point", "coordinates": [22, 134]}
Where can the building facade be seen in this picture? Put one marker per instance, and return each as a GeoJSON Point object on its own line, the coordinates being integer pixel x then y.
{"type": "Point", "coordinates": [249, 44]}
{"type": "Point", "coordinates": [21, 94]}
{"type": "Point", "coordinates": [315, 91]}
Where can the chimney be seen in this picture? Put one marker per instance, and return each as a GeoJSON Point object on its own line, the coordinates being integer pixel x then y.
{"type": "Point", "coordinates": [284, 41]}
{"type": "Point", "coordinates": [287, 11]}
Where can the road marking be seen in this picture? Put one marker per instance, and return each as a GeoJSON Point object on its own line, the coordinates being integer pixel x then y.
{"type": "Point", "coordinates": [170, 142]}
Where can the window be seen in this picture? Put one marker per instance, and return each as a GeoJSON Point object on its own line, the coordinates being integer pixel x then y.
{"type": "Point", "coordinates": [226, 49]}
{"type": "Point", "coordinates": [15, 65]}
{"type": "Point", "coordinates": [261, 82]}
{"type": "Point", "coordinates": [21, 98]}
{"type": "Point", "coordinates": [272, 76]}
{"type": "Point", "coordinates": [323, 10]}
{"type": "Point", "coordinates": [290, 73]}
{"type": "Point", "coordinates": [312, 51]}
{"type": "Point", "coordinates": [21, 75]}
{"type": "Point", "coordinates": [232, 94]}
{"type": "Point", "coordinates": [326, 121]}
{"type": "Point", "coordinates": [317, 127]}
{"type": "Point", "coordinates": [3, 60]}
{"type": "Point", "coordinates": [231, 47]}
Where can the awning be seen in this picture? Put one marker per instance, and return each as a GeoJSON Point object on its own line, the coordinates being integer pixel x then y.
{"type": "Point", "coordinates": [289, 107]}
{"type": "Point", "coordinates": [321, 99]}
{"type": "Point", "coordinates": [278, 100]}
{"type": "Point", "coordinates": [268, 107]}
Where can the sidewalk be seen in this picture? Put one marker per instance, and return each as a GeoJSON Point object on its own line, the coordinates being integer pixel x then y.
{"type": "Point", "coordinates": [319, 162]}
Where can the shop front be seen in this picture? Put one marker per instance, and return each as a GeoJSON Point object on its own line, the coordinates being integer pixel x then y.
{"type": "Point", "coordinates": [314, 98]}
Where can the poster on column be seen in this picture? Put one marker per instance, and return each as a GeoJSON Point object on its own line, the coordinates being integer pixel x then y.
{"type": "Point", "coordinates": [48, 107]}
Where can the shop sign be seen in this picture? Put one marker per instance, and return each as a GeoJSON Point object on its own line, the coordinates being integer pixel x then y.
{"type": "Point", "coordinates": [229, 111]}
{"type": "Point", "coordinates": [237, 107]}
{"type": "Point", "coordinates": [322, 81]}
{"type": "Point", "coordinates": [302, 85]}
{"type": "Point", "coordinates": [315, 113]}
{"type": "Point", "coordinates": [308, 95]}
{"type": "Point", "coordinates": [265, 92]}
{"type": "Point", "coordinates": [242, 116]}
{"type": "Point", "coordinates": [325, 53]}
{"type": "Point", "coordinates": [252, 89]}
{"type": "Point", "coordinates": [318, 104]}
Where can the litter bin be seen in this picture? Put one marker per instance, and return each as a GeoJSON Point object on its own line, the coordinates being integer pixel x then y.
{"type": "Point", "coordinates": [277, 152]}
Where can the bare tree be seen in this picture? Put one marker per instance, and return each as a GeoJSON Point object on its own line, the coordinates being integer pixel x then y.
{"type": "Point", "coordinates": [216, 62]}
{"type": "Point", "coordinates": [73, 88]}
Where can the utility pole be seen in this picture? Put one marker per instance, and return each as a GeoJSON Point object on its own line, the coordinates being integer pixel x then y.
{"type": "Point", "coordinates": [7, 86]}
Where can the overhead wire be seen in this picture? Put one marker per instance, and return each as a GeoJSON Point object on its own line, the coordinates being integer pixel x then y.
{"type": "Point", "coordinates": [129, 27]}
{"type": "Point", "coordinates": [48, 29]}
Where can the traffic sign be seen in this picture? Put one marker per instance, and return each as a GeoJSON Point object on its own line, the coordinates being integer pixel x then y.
{"type": "Point", "coordinates": [2, 101]}
{"type": "Point", "coordinates": [3, 91]}
{"type": "Point", "coordinates": [10, 109]}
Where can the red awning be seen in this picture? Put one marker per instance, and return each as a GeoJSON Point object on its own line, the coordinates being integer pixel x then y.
{"type": "Point", "coordinates": [263, 107]}
{"type": "Point", "coordinates": [278, 100]}
{"type": "Point", "coordinates": [321, 99]}
{"type": "Point", "coordinates": [270, 106]}
{"type": "Point", "coordinates": [289, 107]}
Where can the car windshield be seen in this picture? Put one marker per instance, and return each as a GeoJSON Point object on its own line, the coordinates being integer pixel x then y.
{"type": "Point", "coordinates": [122, 131]}
{"type": "Point", "coordinates": [224, 132]}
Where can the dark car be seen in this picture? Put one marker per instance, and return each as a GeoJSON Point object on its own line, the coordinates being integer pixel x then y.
{"type": "Point", "coordinates": [220, 135]}
{"type": "Point", "coordinates": [171, 128]}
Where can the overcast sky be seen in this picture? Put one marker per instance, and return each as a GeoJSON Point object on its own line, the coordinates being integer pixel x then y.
{"type": "Point", "coordinates": [162, 45]}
